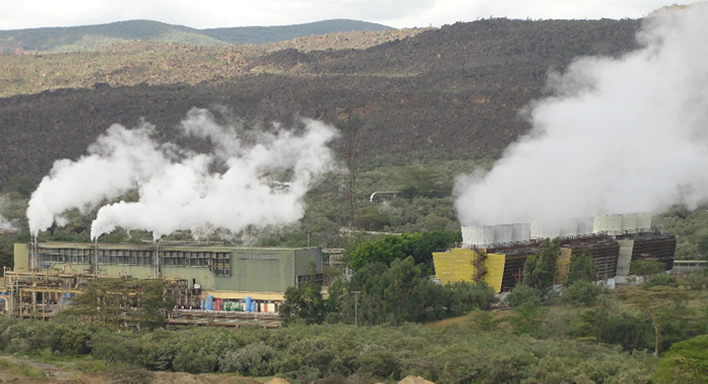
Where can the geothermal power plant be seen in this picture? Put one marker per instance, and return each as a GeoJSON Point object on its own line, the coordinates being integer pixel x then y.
{"type": "Point", "coordinates": [496, 254]}
{"type": "Point", "coordinates": [211, 283]}
{"type": "Point", "coordinates": [218, 284]}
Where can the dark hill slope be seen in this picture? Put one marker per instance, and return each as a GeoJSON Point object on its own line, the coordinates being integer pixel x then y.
{"type": "Point", "coordinates": [496, 42]}
{"type": "Point", "coordinates": [457, 89]}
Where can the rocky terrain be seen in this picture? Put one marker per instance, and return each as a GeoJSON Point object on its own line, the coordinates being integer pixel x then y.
{"type": "Point", "coordinates": [458, 89]}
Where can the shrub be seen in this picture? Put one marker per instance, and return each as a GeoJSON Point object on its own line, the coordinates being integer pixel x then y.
{"type": "Point", "coordinates": [522, 295]}
{"type": "Point", "coordinates": [128, 374]}
{"type": "Point", "coordinates": [661, 279]}
{"type": "Point", "coordinates": [254, 359]}
{"type": "Point", "coordinates": [581, 293]}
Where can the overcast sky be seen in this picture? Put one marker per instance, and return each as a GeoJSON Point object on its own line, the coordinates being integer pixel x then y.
{"type": "Point", "coordinates": [19, 14]}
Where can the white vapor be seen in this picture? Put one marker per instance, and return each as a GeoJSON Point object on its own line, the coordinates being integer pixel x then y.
{"type": "Point", "coordinates": [619, 135]}
{"type": "Point", "coordinates": [178, 189]}
{"type": "Point", "coordinates": [6, 224]}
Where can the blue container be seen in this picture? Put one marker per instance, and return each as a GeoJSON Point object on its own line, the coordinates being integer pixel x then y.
{"type": "Point", "coordinates": [249, 304]}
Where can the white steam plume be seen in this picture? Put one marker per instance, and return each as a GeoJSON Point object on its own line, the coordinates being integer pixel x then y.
{"type": "Point", "coordinates": [178, 190]}
{"type": "Point", "coordinates": [6, 224]}
{"type": "Point", "coordinates": [117, 162]}
{"type": "Point", "coordinates": [620, 135]}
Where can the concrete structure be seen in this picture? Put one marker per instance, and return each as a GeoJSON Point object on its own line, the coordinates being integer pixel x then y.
{"type": "Point", "coordinates": [483, 235]}
{"type": "Point", "coordinates": [488, 235]}
{"type": "Point", "coordinates": [618, 224]}
{"type": "Point", "coordinates": [561, 228]}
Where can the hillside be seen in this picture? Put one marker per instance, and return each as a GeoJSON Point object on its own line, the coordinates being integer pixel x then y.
{"type": "Point", "coordinates": [455, 90]}
{"type": "Point", "coordinates": [259, 35]}
{"type": "Point", "coordinates": [92, 37]}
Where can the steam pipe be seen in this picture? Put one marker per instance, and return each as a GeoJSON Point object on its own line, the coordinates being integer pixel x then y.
{"type": "Point", "coordinates": [156, 259]}
{"type": "Point", "coordinates": [34, 253]}
{"type": "Point", "coordinates": [371, 199]}
{"type": "Point", "coordinates": [93, 257]}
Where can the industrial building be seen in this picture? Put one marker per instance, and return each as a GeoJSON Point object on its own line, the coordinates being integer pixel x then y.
{"type": "Point", "coordinates": [497, 254]}
{"type": "Point", "coordinates": [211, 277]}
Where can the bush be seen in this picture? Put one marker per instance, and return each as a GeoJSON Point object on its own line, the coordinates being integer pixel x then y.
{"type": "Point", "coordinates": [524, 295]}
{"type": "Point", "coordinates": [380, 364]}
{"type": "Point", "coordinates": [128, 374]}
{"type": "Point", "coordinates": [195, 360]}
{"type": "Point", "coordinates": [581, 293]}
{"type": "Point", "coordinates": [254, 359]}
{"type": "Point", "coordinates": [661, 279]}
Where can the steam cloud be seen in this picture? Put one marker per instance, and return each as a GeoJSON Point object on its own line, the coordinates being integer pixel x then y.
{"type": "Point", "coordinates": [618, 136]}
{"type": "Point", "coordinates": [5, 224]}
{"type": "Point", "coordinates": [177, 188]}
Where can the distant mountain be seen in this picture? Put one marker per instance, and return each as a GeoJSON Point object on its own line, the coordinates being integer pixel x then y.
{"type": "Point", "coordinates": [91, 37]}
{"type": "Point", "coordinates": [257, 35]}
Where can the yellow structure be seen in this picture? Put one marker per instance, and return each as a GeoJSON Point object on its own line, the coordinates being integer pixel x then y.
{"type": "Point", "coordinates": [563, 265]}
{"type": "Point", "coordinates": [464, 264]}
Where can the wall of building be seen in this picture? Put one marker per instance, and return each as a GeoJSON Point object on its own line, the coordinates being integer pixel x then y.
{"type": "Point", "coordinates": [462, 264]}
{"type": "Point", "coordinates": [215, 268]}
{"type": "Point", "coordinates": [484, 235]}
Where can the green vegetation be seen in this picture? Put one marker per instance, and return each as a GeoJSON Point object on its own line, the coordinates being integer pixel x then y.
{"type": "Point", "coordinates": [686, 362]}
{"type": "Point", "coordinates": [380, 294]}
{"type": "Point", "coordinates": [540, 270]}
{"type": "Point", "coordinates": [122, 303]}
{"type": "Point", "coordinates": [451, 354]}
{"type": "Point", "coordinates": [418, 245]}
{"type": "Point", "coordinates": [606, 342]}
{"type": "Point", "coordinates": [690, 228]}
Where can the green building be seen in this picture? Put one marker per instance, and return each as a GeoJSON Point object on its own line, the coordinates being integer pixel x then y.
{"type": "Point", "coordinates": [221, 273]}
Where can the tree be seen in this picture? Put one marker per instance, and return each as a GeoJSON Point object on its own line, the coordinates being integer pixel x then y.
{"type": "Point", "coordinates": [524, 295]}
{"type": "Point", "coordinates": [403, 291]}
{"type": "Point", "coordinates": [384, 250]}
{"type": "Point", "coordinates": [305, 302]}
{"type": "Point", "coordinates": [661, 279]}
{"type": "Point", "coordinates": [581, 293]}
{"type": "Point", "coordinates": [582, 268]}
{"type": "Point", "coordinates": [686, 362]}
{"type": "Point", "coordinates": [122, 303]}
{"type": "Point", "coordinates": [540, 269]}
{"type": "Point", "coordinates": [646, 267]}
{"type": "Point", "coordinates": [388, 248]}
{"type": "Point", "coordinates": [662, 303]}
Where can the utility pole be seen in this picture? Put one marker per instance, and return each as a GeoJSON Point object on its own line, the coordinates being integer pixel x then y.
{"type": "Point", "coordinates": [356, 307]}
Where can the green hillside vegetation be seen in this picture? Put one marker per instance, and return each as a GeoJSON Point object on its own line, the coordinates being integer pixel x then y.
{"type": "Point", "coordinates": [92, 37]}
{"type": "Point", "coordinates": [609, 342]}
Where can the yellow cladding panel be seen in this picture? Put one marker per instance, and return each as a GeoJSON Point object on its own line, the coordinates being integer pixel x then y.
{"type": "Point", "coordinates": [494, 264]}
{"type": "Point", "coordinates": [456, 265]}
{"type": "Point", "coordinates": [459, 265]}
{"type": "Point", "coordinates": [21, 256]}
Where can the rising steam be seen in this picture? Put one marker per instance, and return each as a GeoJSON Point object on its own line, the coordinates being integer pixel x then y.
{"type": "Point", "coordinates": [5, 224]}
{"type": "Point", "coordinates": [619, 135]}
{"type": "Point", "coordinates": [178, 189]}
